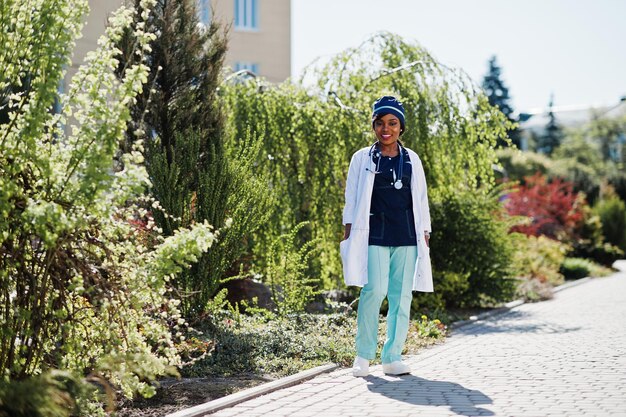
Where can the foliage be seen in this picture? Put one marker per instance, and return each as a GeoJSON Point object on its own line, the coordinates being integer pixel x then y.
{"type": "Point", "coordinates": [498, 94]}
{"type": "Point", "coordinates": [286, 275]}
{"type": "Point", "coordinates": [311, 134]}
{"type": "Point", "coordinates": [471, 242]}
{"type": "Point", "coordinates": [582, 177]}
{"type": "Point", "coordinates": [603, 253]}
{"type": "Point", "coordinates": [430, 328]}
{"type": "Point", "coordinates": [566, 164]}
{"type": "Point", "coordinates": [612, 213]}
{"type": "Point", "coordinates": [609, 133]}
{"type": "Point", "coordinates": [617, 180]}
{"type": "Point", "coordinates": [556, 211]}
{"type": "Point", "coordinates": [590, 241]}
{"type": "Point", "coordinates": [45, 395]}
{"type": "Point", "coordinates": [78, 290]}
{"type": "Point", "coordinates": [539, 258]}
{"type": "Point", "coordinates": [576, 268]}
{"type": "Point", "coordinates": [575, 160]}
{"type": "Point", "coordinates": [538, 261]}
{"type": "Point", "coordinates": [598, 270]}
{"type": "Point", "coordinates": [533, 290]}
{"type": "Point", "coordinates": [282, 346]}
{"type": "Point", "coordinates": [553, 135]}
{"type": "Point", "coordinates": [196, 174]}
{"type": "Point", "coordinates": [576, 147]}
{"type": "Point", "coordinates": [518, 164]}
{"type": "Point", "coordinates": [448, 286]}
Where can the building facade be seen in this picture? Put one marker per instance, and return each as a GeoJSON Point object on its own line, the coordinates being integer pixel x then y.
{"type": "Point", "coordinates": [259, 33]}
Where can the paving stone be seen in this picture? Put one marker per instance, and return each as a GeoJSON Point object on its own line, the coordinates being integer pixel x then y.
{"type": "Point", "coordinates": [563, 357]}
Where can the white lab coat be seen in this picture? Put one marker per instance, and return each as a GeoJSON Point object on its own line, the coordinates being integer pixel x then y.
{"type": "Point", "coordinates": [359, 187]}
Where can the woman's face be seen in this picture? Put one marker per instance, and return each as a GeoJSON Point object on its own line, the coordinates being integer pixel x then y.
{"type": "Point", "coordinates": [387, 129]}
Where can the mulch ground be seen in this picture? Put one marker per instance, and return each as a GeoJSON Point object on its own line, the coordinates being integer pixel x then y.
{"type": "Point", "coordinates": [175, 394]}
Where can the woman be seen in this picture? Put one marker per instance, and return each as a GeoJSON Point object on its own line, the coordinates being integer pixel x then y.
{"type": "Point", "coordinates": [385, 246]}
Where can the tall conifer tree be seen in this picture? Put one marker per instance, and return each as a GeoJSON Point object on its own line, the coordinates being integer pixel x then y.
{"type": "Point", "coordinates": [553, 135]}
{"type": "Point", "coordinates": [194, 175]}
{"type": "Point", "coordinates": [498, 95]}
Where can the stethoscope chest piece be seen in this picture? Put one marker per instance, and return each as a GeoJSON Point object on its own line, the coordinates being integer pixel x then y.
{"type": "Point", "coordinates": [375, 154]}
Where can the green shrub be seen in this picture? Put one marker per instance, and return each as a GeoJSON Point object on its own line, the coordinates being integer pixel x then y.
{"type": "Point", "coordinates": [51, 394]}
{"type": "Point", "coordinates": [532, 290]}
{"type": "Point", "coordinates": [286, 272]}
{"type": "Point", "coordinates": [612, 213]}
{"type": "Point", "coordinates": [583, 177]}
{"type": "Point", "coordinates": [605, 254]}
{"type": "Point", "coordinates": [617, 180]}
{"type": "Point", "coordinates": [576, 268]}
{"type": "Point", "coordinates": [518, 164]}
{"type": "Point", "coordinates": [590, 242]}
{"type": "Point", "coordinates": [470, 239]}
{"type": "Point", "coordinates": [285, 345]}
{"type": "Point", "coordinates": [80, 291]}
{"type": "Point", "coordinates": [539, 258]}
{"type": "Point", "coordinates": [537, 262]}
{"type": "Point", "coordinates": [448, 285]}
{"type": "Point", "coordinates": [310, 135]}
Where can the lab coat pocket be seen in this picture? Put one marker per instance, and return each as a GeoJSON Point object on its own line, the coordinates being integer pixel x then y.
{"type": "Point", "coordinates": [343, 250]}
{"type": "Point", "coordinates": [424, 276]}
{"type": "Point", "coordinates": [354, 257]}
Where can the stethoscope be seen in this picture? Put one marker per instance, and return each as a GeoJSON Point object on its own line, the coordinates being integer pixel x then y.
{"type": "Point", "coordinates": [375, 153]}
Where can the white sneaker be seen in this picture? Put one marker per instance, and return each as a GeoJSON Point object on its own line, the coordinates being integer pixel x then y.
{"type": "Point", "coordinates": [396, 368]}
{"type": "Point", "coordinates": [361, 367]}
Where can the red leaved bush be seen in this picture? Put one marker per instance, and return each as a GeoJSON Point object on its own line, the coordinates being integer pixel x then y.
{"type": "Point", "coordinates": [555, 210]}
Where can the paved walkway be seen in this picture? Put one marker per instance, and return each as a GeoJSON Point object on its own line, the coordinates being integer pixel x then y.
{"type": "Point", "coordinates": [563, 357]}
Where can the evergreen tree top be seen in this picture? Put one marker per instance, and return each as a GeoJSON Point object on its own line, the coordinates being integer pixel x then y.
{"type": "Point", "coordinates": [495, 89]}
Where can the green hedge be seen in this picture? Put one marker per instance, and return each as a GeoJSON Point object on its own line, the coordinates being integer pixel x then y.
{"type": "Point", "coordinates": [576, 268]}
{"type": "Point", "coordinates": [612, 212]}
{"type": "Point", "coordinates": [471, 252]}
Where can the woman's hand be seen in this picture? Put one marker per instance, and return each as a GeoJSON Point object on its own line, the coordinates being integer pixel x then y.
{"type": "Point", "coordinates": [346, 231]}
{"type": "Point", "coordinates": [427, 239]}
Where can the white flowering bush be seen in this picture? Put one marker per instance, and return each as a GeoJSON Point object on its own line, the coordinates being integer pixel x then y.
{"type": "Point", "coordinates": [79, 288]}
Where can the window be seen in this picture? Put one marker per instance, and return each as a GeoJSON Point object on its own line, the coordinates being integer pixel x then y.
{"type": "Point", "coordinates": [204, 12]}
{"type": "Point", "coordinates": [247, 66]}
{"type": "Point", "coordinates": [246, 14]}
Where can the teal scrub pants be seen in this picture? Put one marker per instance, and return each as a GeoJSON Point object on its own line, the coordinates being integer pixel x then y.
{"type": "Point", "coordinates": [391, 271]}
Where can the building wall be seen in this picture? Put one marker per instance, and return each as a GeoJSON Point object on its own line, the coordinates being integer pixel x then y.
{"type": "Point", "coordinates": [95, 26]}
{"type": "Point", "coordinates": [268, 46]}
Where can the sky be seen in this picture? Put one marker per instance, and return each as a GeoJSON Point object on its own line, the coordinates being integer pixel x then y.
{"type": "Point", "coordinates": [574, 49]}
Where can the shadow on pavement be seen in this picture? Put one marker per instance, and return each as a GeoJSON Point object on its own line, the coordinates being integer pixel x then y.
{"type": "Point", "coordinates": [513, 322]}
{"type": "Point", "coordinates": [420, 391]}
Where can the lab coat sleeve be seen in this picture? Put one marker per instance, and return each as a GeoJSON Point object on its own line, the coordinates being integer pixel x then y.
{"type": "Point", "coordinates": [423, 198]}
{"type": "Point", "coordinates": [351, 189]}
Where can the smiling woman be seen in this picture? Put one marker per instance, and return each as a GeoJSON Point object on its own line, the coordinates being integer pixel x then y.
{"type": "Point", "coordinates": [385, 246]}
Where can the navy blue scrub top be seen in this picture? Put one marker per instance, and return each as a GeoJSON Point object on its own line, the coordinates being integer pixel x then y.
{"type": "Point", "coordinates": [392, 222]}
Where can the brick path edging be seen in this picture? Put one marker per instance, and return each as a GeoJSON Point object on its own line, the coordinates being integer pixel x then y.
{"type": "Point", "coordinates": [250, 393]}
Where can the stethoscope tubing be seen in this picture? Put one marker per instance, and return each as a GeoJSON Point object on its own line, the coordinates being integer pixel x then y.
{"type": "Point", "coordinates": [397, 182]}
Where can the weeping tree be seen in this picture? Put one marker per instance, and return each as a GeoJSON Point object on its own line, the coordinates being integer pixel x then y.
{"type": "Point", "coordinates": [81, 296]}
{"type": "Point", "coordinates": [312, 132]}
{"type": "Point", "coordinates": [197, 172]}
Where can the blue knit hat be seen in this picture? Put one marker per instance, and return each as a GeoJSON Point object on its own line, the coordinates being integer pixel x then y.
{"type": "Point", "coordinates": [388, 105]}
